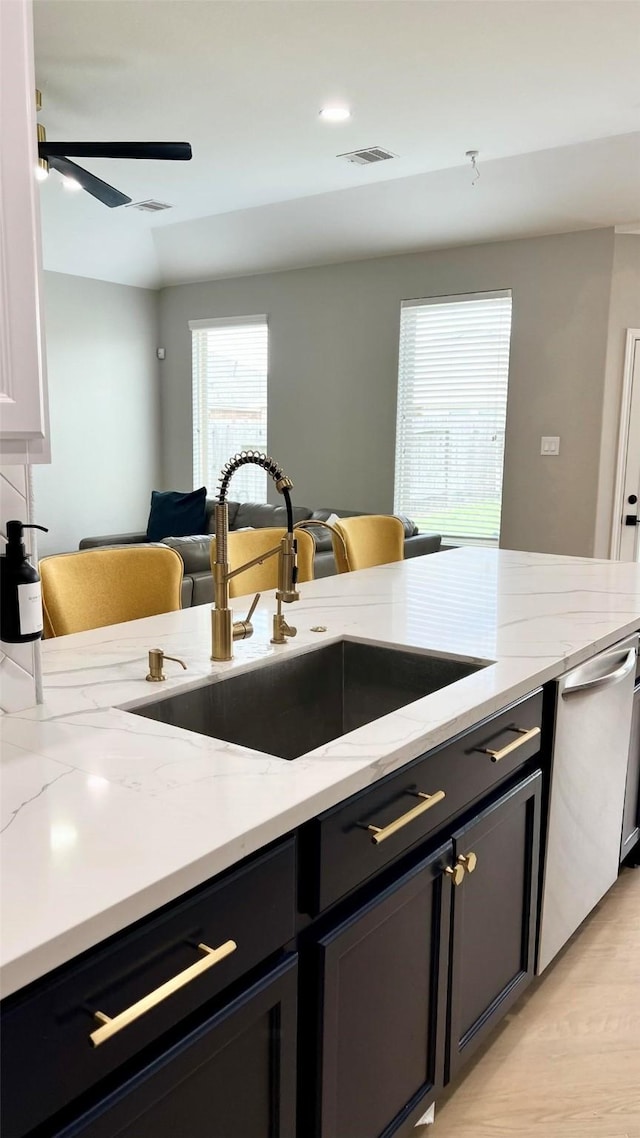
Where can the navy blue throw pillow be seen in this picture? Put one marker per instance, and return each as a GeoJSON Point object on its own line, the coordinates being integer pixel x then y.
{"type": "Point", "coordinates": [177, 515]}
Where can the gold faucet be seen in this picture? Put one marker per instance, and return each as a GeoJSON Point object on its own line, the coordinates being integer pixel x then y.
{"type": "Point", "coordinates": [224, 630]}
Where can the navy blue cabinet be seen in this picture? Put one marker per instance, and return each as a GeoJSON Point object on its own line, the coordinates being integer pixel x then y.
{"type": "Point", "coordinates": [414, 934]}
{"type": "Point", "coordinates": [412, 980]}
{"type": "Point", "coordinates": [50, 1059]}
{"type": "Point", "coordinates": [383, 982]}
{"type": "Point", "coordinates": [493, 916]}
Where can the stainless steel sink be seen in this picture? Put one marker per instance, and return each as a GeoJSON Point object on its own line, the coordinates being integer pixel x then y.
{"type": "Point", "coordinates": [292, 706]}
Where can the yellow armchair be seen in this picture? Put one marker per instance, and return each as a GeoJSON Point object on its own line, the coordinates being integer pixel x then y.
{"type": "Point", "coordinates": [370, 539]}
{"type": "Point", "coordinates": [96, 587]}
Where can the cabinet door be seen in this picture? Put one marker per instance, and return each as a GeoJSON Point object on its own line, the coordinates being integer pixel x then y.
{"type": "Point", "coordinates": [232, 1077]}
{"type": "Point", "coordinates": [493, 916]}
{"type": "Point", "coordinates": [383, 976]}
{"type": "Point", "coordinates": [631, 817]}
{"type": "Point", "coordinates": [23, 402]}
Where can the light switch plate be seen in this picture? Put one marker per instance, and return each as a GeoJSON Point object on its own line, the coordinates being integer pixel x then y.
{"type": "Point", "coordinates": [550, 444]}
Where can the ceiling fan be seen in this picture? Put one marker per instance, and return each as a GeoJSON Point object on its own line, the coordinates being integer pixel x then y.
{"type": "Point", "coordinates": [56, 156]}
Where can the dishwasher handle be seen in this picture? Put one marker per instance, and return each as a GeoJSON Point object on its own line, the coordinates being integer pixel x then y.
{"type": "Point", "coordinates": [603, 681]}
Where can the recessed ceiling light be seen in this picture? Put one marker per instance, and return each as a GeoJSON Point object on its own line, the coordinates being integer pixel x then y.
{"type": "Point", "coordinates": [335, 114]}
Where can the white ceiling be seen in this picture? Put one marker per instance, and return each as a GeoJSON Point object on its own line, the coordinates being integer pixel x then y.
{"type": "Point", "coordinates": [547, 90]}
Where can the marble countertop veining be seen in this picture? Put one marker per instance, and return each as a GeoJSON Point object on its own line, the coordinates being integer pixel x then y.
{"type": "Point", "coordinates": [106, 816]}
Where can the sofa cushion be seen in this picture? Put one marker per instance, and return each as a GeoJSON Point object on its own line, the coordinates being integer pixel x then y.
{"type": "Point", "coordinates": [410, 527]}
{"type": "Point", "coordinates": [174, 514]}
{"type": "Point", "coordinates": [324, 563]}
{"type": "Point", "coordinates": [113, 539]}
{"type": "Point", "coordinates": [257, 515]}
{"type": "Point", "coordinates": [203, 589]}
{"type": "Point", "coordinates": [186, 592]}
{"type": "Point", "coordinates": [323, 536]}
{"type": "Point", "coordinates": [194, 551]}
{"type": "Point", "coordinates": [422, 543]}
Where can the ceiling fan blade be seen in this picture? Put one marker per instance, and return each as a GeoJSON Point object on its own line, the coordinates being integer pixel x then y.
{"type": "Point", "coordinates": [165, 151]}
{"type": "Point", "coordinates": [106, 194]}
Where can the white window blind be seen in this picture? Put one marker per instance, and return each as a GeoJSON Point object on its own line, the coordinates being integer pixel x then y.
{"type": "Point", "coordinates": [452, 403]}
{"type": "Point", "coordinates": [229, 361]}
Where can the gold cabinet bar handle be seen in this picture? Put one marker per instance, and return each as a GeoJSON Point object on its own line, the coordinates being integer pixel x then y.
{"type": "Point", "coordinates": [113, 1026]}
{"type": "Point", "coordinates": [380, 834]}
{"type": "Point", "coordinates": [525, 735]}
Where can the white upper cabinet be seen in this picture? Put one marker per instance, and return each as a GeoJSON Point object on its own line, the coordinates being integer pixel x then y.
{"type": "Point", "coordinates": [23, 395]}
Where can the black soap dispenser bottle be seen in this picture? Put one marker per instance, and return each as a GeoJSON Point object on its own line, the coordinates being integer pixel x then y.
{"type": "Point", "coordinates": [20, 595]}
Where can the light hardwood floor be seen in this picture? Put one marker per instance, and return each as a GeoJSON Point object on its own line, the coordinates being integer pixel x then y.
{"type": "Point", "coordinates": [566, 1062]}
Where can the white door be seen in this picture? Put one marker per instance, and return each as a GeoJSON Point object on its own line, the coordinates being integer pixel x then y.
{"type": "Point", "coordinates": [626, 526]}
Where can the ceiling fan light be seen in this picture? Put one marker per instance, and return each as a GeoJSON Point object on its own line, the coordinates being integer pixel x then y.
{"type": "Point", "coordinates": [55, 155]}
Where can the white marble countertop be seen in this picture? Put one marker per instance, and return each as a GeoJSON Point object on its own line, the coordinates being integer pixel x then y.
{"type": "Point", "coordinates": [105, 816]}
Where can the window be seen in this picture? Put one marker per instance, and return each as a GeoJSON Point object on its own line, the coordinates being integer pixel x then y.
{"type": "Point", "coordinates": [452, 403]}
{"type": "Point", "coordinates": [229, 361]}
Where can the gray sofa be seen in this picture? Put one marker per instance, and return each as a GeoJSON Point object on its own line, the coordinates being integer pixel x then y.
{"type": "Point", "coordinates": [197, 585]}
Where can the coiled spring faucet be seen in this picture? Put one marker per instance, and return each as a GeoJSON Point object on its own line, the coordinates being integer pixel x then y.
{"type": "Point", "coordinates": [224, 630]}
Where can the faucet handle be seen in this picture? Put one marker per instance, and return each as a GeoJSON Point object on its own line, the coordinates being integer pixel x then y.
{"type": "Point", "coordinates": [156, 660]}
{"type": "Point", "coordinates": [281, 630]}
{"type": "Point", "coordinates": [243, 629]}
{"type": "Point", "coordinates": [254, 605]}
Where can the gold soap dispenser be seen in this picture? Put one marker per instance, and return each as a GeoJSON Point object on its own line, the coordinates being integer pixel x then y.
{"type": "Point", "coordinates": [156, 660]}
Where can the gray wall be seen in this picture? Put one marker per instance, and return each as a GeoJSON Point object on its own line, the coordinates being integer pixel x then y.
{"type": "Point", "coordinates": [333, 372]}
{"type": "Point", "coordinates": [624, 313]}
{"type": "Point", "coordinates": [105, 410]}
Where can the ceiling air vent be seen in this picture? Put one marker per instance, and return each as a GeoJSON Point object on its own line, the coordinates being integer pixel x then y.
{"type": "Point", "coordinates": [149, 206]}
{"type": "Point", "coordinates": [367, 157]}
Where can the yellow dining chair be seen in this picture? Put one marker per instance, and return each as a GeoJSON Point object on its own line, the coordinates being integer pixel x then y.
{"type": "Point", "coordinates": [106, 586]}
{"type": "Point", "coordinates": [244, 545]}
{"type": "Point", "coordinates": [370, 539]}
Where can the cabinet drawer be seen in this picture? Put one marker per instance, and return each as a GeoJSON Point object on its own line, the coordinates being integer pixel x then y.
{"type": "Point", "coordinates": [356, 839]}
{"type": "Point", "coordinates": [233, 1075]}
{"type": "Point", "coordinates": [48, 1054]}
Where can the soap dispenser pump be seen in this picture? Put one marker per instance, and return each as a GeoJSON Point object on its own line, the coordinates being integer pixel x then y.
{"type": "Point", "coordinates": [20, 593]}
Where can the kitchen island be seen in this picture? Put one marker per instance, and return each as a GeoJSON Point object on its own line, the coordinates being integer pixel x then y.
{"type": "Point", "coordinates": [107, 816]}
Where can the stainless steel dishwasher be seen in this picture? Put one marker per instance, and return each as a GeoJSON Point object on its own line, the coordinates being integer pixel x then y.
{"type": "Point", "coordinates": [588, 773]}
